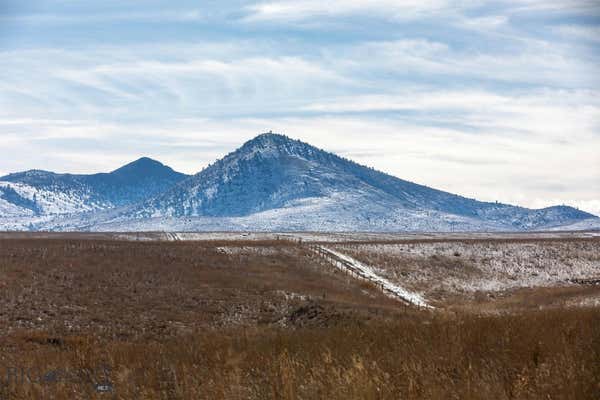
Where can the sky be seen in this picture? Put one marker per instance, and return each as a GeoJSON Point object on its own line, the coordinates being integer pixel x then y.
{"type": "Point", "coordinates": [494, 100]}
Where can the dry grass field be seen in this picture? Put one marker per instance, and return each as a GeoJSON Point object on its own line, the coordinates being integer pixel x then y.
{"type": "Point", "coordinates": [269, 319]}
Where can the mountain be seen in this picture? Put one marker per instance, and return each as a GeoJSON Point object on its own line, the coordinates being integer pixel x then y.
{"type": "Point", "coordinates": [270, 183]}
{"type": "Point", "coordinates": [274, 182]}
{"type": "Point", "coordinates": [38, 193]}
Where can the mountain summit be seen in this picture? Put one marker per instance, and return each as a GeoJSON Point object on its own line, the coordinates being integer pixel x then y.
{"type": "Point", "coordinates": [144, 167]}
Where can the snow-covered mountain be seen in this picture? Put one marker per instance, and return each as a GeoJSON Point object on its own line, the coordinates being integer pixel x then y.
{"type": "Point", "coordinates": [40, 193]}
{"type": "Point", "coordinates": [275, 183]}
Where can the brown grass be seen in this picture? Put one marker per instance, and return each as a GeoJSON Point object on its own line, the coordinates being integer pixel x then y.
{"type": "Point", "coordinates": [123, 289]}
{"type": "Point", "coordinates": [552, 354]}
{"type": "Point", "coordinates": [265, 320]}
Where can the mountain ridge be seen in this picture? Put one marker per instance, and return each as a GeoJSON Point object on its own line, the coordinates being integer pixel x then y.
{"type": "Point", "coordinates": [273, 171]}
{"type": "Point", "coordinates": [63, 193]}
{"type": "Point", "coordinates": [275, 182]}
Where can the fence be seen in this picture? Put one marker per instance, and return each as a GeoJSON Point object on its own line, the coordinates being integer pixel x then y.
{"type": "Point", "coordinates": [353, 271]}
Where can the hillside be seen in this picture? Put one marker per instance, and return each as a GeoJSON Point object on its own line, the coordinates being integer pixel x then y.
{"type": "Point", "coordinates": [38, 193]}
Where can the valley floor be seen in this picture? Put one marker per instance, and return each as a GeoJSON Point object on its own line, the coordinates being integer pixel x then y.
{"type": "Point", "coordinates": [260, 316]}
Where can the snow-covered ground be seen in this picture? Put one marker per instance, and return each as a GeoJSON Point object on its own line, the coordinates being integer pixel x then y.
{"type": "Point", "coordinates": [341, 237]}
{"type": "Point", "coordinates": [466, 267]}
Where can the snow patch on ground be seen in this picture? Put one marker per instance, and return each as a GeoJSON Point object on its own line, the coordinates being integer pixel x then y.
{"type": "Point", "coordinates": [467, 267]}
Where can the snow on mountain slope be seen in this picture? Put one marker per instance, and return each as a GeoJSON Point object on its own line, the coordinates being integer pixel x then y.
{"type": "Point", "coordinates": [38, 192]}
{"type": "Point", "coordinates": [590, 224]}
{"type": "Point", "coordinates": [309, 214]}
{"type": "Point", "coordinates": [39, 200]}
{"type": "Point", "coordinates": [9, 208]}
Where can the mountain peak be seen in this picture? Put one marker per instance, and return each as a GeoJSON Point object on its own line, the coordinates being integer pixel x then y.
{"type": "Point", "coordinates": [271, 135]}
{"type": "Point", "coordinates": [146, 160]}
{"type": "Point", "coordinates": [274, 145]}
{"type": "Point", "coordinates": [142, 163]}
{"type": "Point", "coordinates": [146, 168]}
{"type": "Point", "coordinates": [268, 139]}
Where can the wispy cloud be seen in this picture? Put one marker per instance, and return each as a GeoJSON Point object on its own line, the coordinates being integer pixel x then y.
{"type": "Point", "coordinates": [578, 32]}
{"type": "Point", "coordinates": [569, 7]}
{"type": "Point", "coordinates": [192, 15]}
{"type": "Point", "coordinates": [294, 10]}
{"type": "Point", "coordinates": [534, 62]}
{"type": "Point", "coordinates": [303, 9]}
{"type": "Point", "coordinates": [570, 114]}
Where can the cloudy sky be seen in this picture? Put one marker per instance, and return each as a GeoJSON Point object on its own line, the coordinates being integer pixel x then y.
{"type": "Point", "coordinates": [497, 100]}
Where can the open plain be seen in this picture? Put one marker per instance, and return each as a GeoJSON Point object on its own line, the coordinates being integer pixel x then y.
{"type": "Point", "coordinates": [299, 316]}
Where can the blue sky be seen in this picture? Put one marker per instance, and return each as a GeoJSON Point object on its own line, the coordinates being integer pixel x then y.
{"type": "Point", "coordinates": [497, 100]}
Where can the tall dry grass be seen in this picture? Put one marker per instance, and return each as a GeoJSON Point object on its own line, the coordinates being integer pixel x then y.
{"type": "Point", "coordinates": [536, 355]}
{"type": "Point", "coordinates": [162, 318]}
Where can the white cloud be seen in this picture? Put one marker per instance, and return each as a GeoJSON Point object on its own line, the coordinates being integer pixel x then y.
{"type": "Point", "coordinates": [569, 115]}
{"type": "Point", "coordinates": [210, 81]}
{"type": "Point", "coordinates": [584, 7]}
{"type": "Point", "coordinates": [297, 10]}
{"type": "Point", "coordinates": [590, 33]}
{"type": "Point", "coordinates": [192, 15]}
{"type": "Point", "coordinates": [303, 9]}
{"type": "Point", "coordinates": [534, 62]}
{"type": "Point", "coordinates": [485, 23]}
